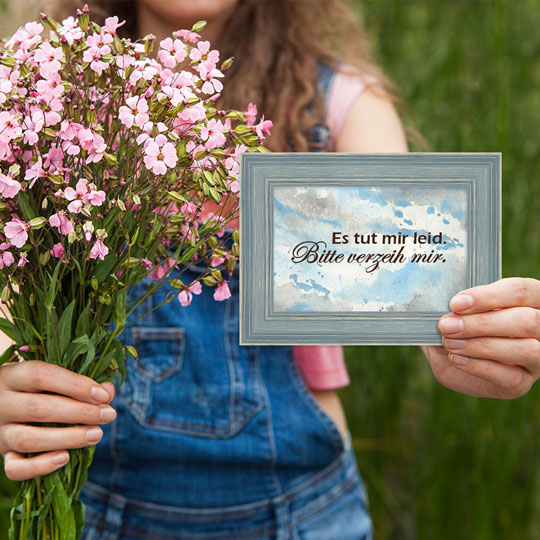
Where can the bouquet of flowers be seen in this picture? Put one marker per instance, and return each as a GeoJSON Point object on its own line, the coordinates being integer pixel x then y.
{"type": "Point", "coordinates": [107, 157]}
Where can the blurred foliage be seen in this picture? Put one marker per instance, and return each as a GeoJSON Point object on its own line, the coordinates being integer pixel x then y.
{"type": "Point", "coordinates": [440, 465]}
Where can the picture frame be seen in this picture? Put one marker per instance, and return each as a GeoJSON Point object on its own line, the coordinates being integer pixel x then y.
{"type": "Point", "coordinates": [363, 249]}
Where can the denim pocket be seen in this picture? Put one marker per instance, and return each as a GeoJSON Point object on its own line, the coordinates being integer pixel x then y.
{"type": "Point", "coordinates": [191, 375]}
{"type": "Point", "coordinates": [160, 350]}
{"type": "Point", "coordinates": [346, 518]}
{"type": "Point", "coordinates": [335, 437]}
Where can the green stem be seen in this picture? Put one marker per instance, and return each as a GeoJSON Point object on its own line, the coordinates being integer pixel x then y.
{"type": "Point", "coordinates": [113, 335]}
{"type": "Point", "coordinates": [40, 501]}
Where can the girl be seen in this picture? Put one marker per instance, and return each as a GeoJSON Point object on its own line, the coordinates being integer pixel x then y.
{"type": "Point", "coordinates": [214, 440]}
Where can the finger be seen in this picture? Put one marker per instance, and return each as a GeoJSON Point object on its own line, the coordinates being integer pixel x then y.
{"type": "Point", "coordinates": [109, 387]}
{"type": "Point", "coordinates": [36, 376]}
{"type": "Point", "coordinates": [24, 407]}
{"type": "Point", "coordinates": [507, 292]}
{"type": "Point", "coordinates": [17, 467]}
{"type": "Point", "coordinates": [512, 381]}
{"type": "Point", "coordinates": [27, 439]}
{"type": "Point", "coordinates": [522, 352]}
{"type": "Point", "coordinates": [517, 322]}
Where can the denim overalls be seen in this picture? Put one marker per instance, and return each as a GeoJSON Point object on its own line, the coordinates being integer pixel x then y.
{"type": "Point", "coordinates": [214, 440]}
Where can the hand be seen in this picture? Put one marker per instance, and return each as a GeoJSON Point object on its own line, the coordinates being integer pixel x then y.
{"type": "Point", "coordinates": [21, 401]}
{"type": "Point", "coordinates": [491, 340]}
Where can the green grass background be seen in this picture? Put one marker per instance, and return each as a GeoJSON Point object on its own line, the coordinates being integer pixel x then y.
{"type": "Point", "coordinates": [440, 465]}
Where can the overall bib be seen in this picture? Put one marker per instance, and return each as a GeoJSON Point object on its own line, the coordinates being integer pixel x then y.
{"type": "Point", "coordinates": [214, 440]}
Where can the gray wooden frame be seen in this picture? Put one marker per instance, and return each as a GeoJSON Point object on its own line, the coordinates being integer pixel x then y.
{"type": "Point", "coordinates": [260, 172]}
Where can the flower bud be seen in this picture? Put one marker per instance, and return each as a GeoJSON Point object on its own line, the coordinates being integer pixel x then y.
{"type": "Point", "coordinates": [227, 63]}
{"type": "Point", "coordinates": [198, 26]}
{"type": "Point", "coordinates": [37, 223]}
{"type": "Point", "coordinates": [44, 258]}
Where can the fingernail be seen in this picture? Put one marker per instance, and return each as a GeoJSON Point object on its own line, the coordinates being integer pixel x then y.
{"type": "Point", "coordinates": [458, 359]}
{"type": "Point", "coordinates": [108, 414]}
{"type": "Point", "coordinates": [455, 343]}
{"type": "Point", "coordinates": [60, 459]}
{"type": "Point", "coordinates": [451, 325]}
{"type": "Point", "coordinates": [93, 435]}
{"type": "Point", "coordinates": [99, 393]}
{"type": "Point", "coordinates": [461, 302]}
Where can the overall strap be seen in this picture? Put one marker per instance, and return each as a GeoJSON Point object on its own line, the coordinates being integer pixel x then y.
{"type": "Point", "coordinates": [320, 133]}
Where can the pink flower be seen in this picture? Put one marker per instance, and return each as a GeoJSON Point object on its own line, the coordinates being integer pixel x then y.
{"type": "Point", "coordinates": [222, 291]}
{"type": "Point", "coordinates": [96, 151]}
{"type": "Point", "coordinates": [111, 24]}
{"type": "Point", "coordinates": [34, 172]}
{"type": "Point", "coordinates": [135, 111]}
{"type": "Point", "coordinates": [96, 198]}
{"type": "Point", "coordinates": [76, 195]}
{"type": "Point", "coordinates": [163, 269]}
{"type": "Point", "coordinates": [6, 259]}
{"type": "Point", "coordinates": [251, 114]}
{"type": "Point", "coordinates": [99, 249]}
{"type": "Point", "coordinates": [158, 159]}
{"type": "Point", "coordinates": [49, 59]}
{"type": "Point", "coordinates": [9, 125]}
{"type": "Point", "coordinates": [211, 84]}
{"type": "Point", "coordinates": [171, 52]}
{"type": "Point", "coordinates": [23, 260]}
{"type": "Point", "coordinates": [59, 220]}
{"type": "Point", "coordinates": [188, 36]}
{"type": "Point", "coordinates": [81, 195]}
{"type": "Point", "coordinates": [213, 134]}
{"type": "Point", "coordinates": [70, 30]}
{"type": "Point", "coordinates": [57, 251]}
{"type": "Point", "coordinates": [202, 53]}
{"type": "Point", "coordinates": [263, 126]}
{"type": "Point", "coordinates": [8, 187]}
{"type": "Point", "coordinates": [217, 261]}
{"type": "Point", "coordinates": [24, 348]}
{"type": "Point", "coordinates": [187, 294]}
{"type": "Point", "coordinates": [146, 263]}
{"type": "Point", "coordinates": [88, 229]}
{"type": "Point", "coordinates": [32, 126]}
{"type": "Point", "coordinates": [16, 231]}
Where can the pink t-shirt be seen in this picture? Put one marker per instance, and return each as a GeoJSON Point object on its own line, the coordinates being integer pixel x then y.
{"type": "Point", "coordinates": [323, 366]}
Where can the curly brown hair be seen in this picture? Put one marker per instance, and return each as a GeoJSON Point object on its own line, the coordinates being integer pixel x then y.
{"type": "Point", "coordinates": [276, 45]}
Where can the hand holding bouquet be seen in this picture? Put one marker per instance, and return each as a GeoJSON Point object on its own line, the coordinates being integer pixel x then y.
{"type": "Point", "coordinates": [107, 158]}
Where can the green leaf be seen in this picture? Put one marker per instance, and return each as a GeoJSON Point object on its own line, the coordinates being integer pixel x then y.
{"type": "Point", "coordinates": [104, 268]}
{"type": "Point", "coordinates": [45, 509]}
{"type": "Point", "coordinates": [121, 361]}
{"type": "Point", "coordinates": [63, 330]}
{"type": "Point", "coordinates": [83, 324]}
{"type": "Point", "coordinates": [51, 292]}
{"type": "Point", "coordinates": [51, 320]}
{"type": "Point", "coordinates": [90, 356]}
{"type": "Point", "coordinates": [120, 308]}
{"type": "Point", "coordinates": [75, 349]}
{"type": "Point", "coordinates": [11, 330]}
{"type": "Point", "coordinates": [61, 506]}
{"type": "Point", "coordinates": [27, 210]}
{"type": "Point", "coordinates": [78, 514]}
{"type": "Point", "coordinates": [7, 355]}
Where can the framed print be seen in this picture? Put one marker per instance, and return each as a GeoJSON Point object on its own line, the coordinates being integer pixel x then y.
{"type": "Point", "coordinates": [363, 249]}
